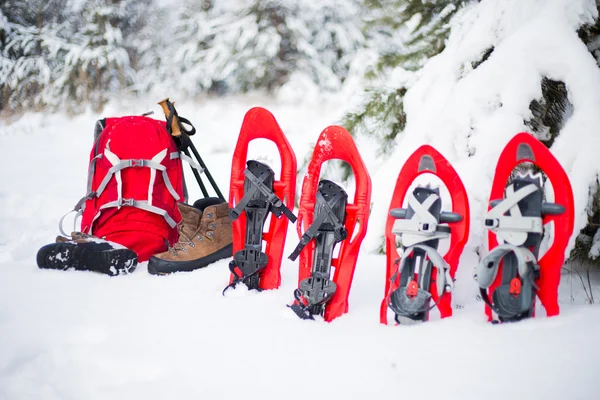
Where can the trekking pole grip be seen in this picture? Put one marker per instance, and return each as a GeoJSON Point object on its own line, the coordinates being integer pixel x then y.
{"type": "Point", "coordinates": [175, 131]}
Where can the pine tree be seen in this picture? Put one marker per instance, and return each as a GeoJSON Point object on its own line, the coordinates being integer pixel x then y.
{"type": "Point", "coordinates": [260, 44]}
{"type": "Point", "coordinates": [6, 59]}
{"type": "Point", "coordinates": [98, 61]}
{"type": "Point", "coordinates": [34, 44]}
{"type": "Point", "coordinates": [587, 245]}
{"type": "Point", "coordinates": [330, 42]}
{"type": "Point", "coordinates": [405, 33]}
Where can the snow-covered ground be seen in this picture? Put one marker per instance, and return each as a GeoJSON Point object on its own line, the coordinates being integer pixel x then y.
{"type": "Point", "coordinates": [78, 335]}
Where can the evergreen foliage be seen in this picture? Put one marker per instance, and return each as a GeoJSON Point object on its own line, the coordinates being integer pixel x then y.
{"type": "Point", "coordinates": [33, 41]}
{"type": "Point", "coordinates": [405, 33]}
{"type": "Point", "coordinates": [262, 44]}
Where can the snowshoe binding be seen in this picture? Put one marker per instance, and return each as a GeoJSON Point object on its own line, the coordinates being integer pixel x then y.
{"type": "Point", "coordinates": [327, 230]}
{"type": "Point", "coordinates": [420, 228]}
{"type": "Point", "coordinates": [255, 193]}
{"type": "Point", "coordinates": [418, 278]}
{"type": "Point", "coordinates": [257, 202]}
{"type": "Point", "coordinates": [326, 218]}
{"type": "Point", "coordinates": [513, 274]}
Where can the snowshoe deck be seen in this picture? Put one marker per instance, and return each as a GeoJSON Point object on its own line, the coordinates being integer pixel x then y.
{"type": "Point", "coordinates": [420, 231]}
{"type": "Point", "coordinates": [409, 291]}
{"type": "Point", "coordinates": [258, 268]}
{"type": "Point", "coordinates": [318, 293]}
{"type": "Point", "coordinates": [327, 230]}
{"type": "Point", "coordinates": [516, 278]}
{"type": "Point", "coordinates": [257, 202]}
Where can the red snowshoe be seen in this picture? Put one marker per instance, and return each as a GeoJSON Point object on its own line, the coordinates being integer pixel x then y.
{"type": "Point", "coordinates": [511, 274]}
{"type": "Point", "coordinates": [326, 219]}
{"type": "Point", "coordinates": [254, 193]}
{"type": "Point", "coordinates": [420, 275]}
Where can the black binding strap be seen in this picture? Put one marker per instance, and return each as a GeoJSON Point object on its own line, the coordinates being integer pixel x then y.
{"type": "Point", "coordinates": [277, 206]}
{"type": "Point", "coordinates": [339, 229]}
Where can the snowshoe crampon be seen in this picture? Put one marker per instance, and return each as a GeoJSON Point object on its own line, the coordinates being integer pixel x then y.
{"type": "Point", "coordinates": [326, 219]}
{"type": "Point", "coordinates": [420, 279]}
{"type": "Point", "coordinates": [511, 273]}
{"type": "Point", "coordinates": [254, 193]}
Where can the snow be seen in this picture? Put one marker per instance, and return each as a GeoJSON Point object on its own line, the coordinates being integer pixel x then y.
{"type": "Point", "coordinates": [86, 336]}
{"type": "Point", "coordinates": [80, 335]}
{"type": "Point", "coordinates": [470, 114]}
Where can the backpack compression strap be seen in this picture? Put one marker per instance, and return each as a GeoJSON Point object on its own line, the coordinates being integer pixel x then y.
{"type": "Point", "coordinates": [117, 166]}
{"type": "Point", "coordinates": [422, 226]}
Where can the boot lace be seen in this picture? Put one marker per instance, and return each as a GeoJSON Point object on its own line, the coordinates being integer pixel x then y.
{"type": "Point", "coordinates": [183, 242]}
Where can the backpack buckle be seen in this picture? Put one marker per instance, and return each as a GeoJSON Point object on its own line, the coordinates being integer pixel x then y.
{"type": "Point", "coordinates": [126, 202]}
{"type": "Point", "coordinates": [137, 163]}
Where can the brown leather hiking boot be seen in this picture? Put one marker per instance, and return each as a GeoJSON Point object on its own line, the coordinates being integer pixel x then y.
{"type": "Point", "coordinates": [204, 237]}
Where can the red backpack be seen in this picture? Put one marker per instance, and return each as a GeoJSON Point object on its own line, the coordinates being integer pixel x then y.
{"type": "Point", "coordinates": [135, 180]}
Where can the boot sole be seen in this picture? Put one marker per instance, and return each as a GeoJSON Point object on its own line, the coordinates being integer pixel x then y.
{"type": "Point", "coordinates": [157, 266]}
{"type": "Point", "coordinates": [64, 256]}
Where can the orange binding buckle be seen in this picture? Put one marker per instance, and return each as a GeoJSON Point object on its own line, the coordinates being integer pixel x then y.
{"type": "Point", "coordinates": [261, 124]}
{"type": "Point", "coordinates": [515, 287]}
{"type": "Point", "coordinates": [412, 290]}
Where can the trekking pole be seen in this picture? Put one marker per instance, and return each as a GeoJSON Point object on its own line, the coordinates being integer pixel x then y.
{"type": "Point", "coordinates": [182, 138]}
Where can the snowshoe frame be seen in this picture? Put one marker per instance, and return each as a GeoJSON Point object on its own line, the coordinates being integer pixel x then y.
{"type": "Point", "coordinates": [259, 123]}
{"type": "Point", "coordinates": [335, 142]}
{"type": "Point", "coordinates": [522, 148]}
{"type": "Point", "coordinates": [426, 159]}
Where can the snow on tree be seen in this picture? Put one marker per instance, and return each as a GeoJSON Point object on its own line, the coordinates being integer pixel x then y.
{"type": "Point", "coordinates": [501, 58]}
{"type": "Point", "coordinates": [6, 60]}
{"type": "Point", "coordinates": [98, 61]}
{"type": "Point", "coordinates": [261, 44]}
{"type": "Point", "coordinates": [34, 42]}
{"type": "Point", "coordinates": [404, 34]}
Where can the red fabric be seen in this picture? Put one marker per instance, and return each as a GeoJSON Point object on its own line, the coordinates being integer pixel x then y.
{"type": "Point", "coordinates": [146, 233]}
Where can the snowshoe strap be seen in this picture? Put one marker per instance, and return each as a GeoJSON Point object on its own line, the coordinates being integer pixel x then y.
{"type": "Point", "coordinates": [312, 293]}
{"type": "Point", "coordinates": [405, 305]}
{"type": "Point", "coordinates": [422, 226]}
{"type": "Point", "coordinates": [246, 264]}
{"type": "Point", "coordinates": [315, 290]}
{"type": "Point", "coordinates": [513, 299]}
{"type": "Point", "coordinates": [412, 300]}
{"type": "Point", "coordinates": [327, 214]}
{"type": "Point", "coordinates": [444, 280]}
{"type": "Point", "coordinates": [488, 267]}
{"type": "Point", "coordinates": [277, 206]}
{"type": "Point", "coordinates": [300, 306]}
{"type": "Point", "coordinates": [514, 228]}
